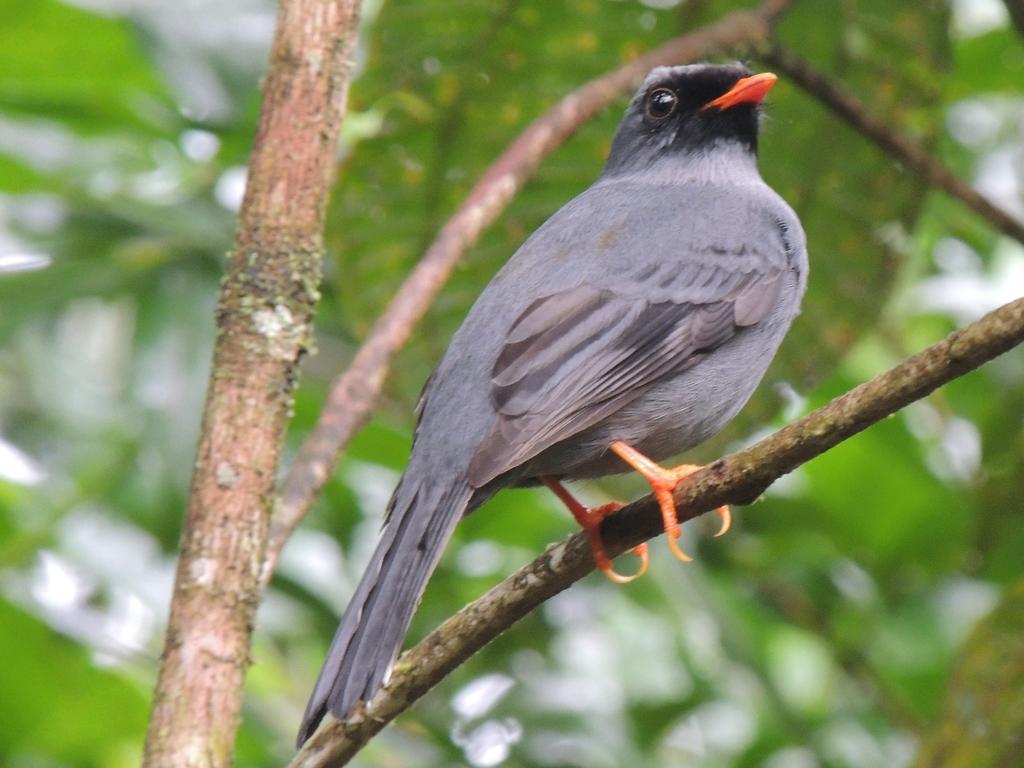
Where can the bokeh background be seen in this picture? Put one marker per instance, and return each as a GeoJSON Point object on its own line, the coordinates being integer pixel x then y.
{"type": "Point", "coordinates": [823, 631]}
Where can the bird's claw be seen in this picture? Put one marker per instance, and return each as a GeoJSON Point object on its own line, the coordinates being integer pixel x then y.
{"type": "Point", "coordinates": [590, 521]}
{"type": "Point", "coordinates": [677, 550]}
{"type": "Point", "coordinates": [663, 482]}
{"type": "Point", "coordinates": [606, 567]}
{"type": "Point", "coordinates": [726, 514]}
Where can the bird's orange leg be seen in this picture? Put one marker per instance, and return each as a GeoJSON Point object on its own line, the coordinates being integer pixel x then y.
{"type": "Point", "coordinates": [590, 521]}
{"type": "Point", "coordinates": [663, 482]}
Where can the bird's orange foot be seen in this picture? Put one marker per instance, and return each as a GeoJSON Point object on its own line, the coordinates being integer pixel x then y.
{"type": "Point", "coordinates": [663, 482]}
{"type": "Point", "coordinates": [590, 521]}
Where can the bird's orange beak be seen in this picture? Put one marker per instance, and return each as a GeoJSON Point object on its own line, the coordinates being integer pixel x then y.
{"type": "Point", "coordinates": [749, 90]}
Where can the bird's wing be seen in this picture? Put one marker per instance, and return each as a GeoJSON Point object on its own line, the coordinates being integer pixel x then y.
{"type": "Point", "coordinates": [576, 356]}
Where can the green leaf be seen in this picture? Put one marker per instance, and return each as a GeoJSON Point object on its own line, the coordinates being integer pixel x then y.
{"type": "Point", "coordinates": [57, 702]}
{"type": "Point", "coordinates": [85, 70]}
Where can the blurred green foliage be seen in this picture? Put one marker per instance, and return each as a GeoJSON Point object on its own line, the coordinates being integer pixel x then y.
{"type": "Point", "coordinates": [981, 718]}
{"type": "Point", "coordinates": [821, 632]}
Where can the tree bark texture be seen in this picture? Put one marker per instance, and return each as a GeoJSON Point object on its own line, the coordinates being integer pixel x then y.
{"type": "Point", "coordinates": [264, 322]}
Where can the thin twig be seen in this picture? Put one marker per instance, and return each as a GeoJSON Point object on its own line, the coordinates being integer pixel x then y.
{"type": "Point", "coordinates": [354, 393]}
{"type": "Point", "coordinates": [737, 478]}
{"type": "Point", "coordinates": [848, 107]}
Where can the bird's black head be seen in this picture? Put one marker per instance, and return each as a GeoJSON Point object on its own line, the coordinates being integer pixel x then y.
{"type": "Point", "coordinates": [688, 109]}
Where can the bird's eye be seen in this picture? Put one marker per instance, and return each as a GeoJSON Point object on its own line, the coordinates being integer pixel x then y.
{"type": "Point", "coordinates": [661, 103]}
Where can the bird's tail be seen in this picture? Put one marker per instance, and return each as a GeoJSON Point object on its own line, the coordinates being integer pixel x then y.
{"type": "Point", "coordinates": [421, 518]}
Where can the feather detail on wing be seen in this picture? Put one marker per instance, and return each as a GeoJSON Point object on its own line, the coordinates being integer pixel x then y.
{"type": "Point", "coordinates": [575, 357]}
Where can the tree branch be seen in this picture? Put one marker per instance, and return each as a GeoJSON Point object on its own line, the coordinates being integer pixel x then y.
{"type": "Point", "coordinates": [738, 478]}
{"type": "Point", "coordinates": [848, 107]}
{"type": "Point", "coordinates": [264, 319]}
{"type": "Point", "coordinates": [354, 393]}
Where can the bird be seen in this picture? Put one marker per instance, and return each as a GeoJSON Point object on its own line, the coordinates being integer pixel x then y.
{"type": "Point", "coordinates": [628, 328]}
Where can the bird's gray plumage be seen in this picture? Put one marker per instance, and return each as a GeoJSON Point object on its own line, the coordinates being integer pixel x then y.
{"type": "Point", "coordinates": [646, 310]}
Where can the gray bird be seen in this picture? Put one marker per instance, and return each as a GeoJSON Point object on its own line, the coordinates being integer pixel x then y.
{"type": "Point", "coordinates": [634, 323]}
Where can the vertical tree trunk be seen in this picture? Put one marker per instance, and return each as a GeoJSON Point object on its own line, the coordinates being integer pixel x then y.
{"type": "Point", "coordinates": [264, 322]}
